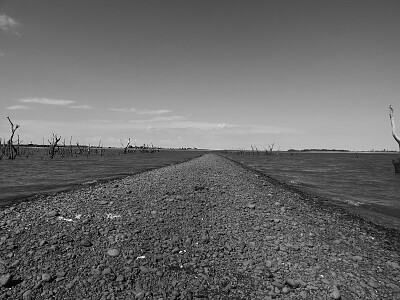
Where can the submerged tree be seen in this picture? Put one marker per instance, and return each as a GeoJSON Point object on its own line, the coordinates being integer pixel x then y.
{"type": "Point", "coordinates": [396, 162]}
{"type": "Point", "coordinates": [53, 145]}
{"type": "Point", "coordinates": [10, 149]}
{"type": "Point", "coordinates": [127, 146]}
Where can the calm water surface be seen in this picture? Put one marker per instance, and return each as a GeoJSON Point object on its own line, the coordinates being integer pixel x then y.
{"type": "Point", "coordinates": [364, 183]}
{"type": "Point", "coordinates": [24, 177]}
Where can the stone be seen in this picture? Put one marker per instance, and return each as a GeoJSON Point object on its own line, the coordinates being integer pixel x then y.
{"type": "Point", "coordinates": [277, 284]}
{"type": "Point", "coordinates": [357, 258]}
{"type": "Point", "coordinates": [335, 294]}
{"type": "Point", "coordinates": [292, 283]}
{"type": "Point", "coordinates": [113, 252]}
{"type": "Point", "coordinates": [251, 206]}
{"type": "Point", "coordinates": [27, 295]}
{"type": "Point", "coordinates": [53, 213]}
{"type": "Point", "coordinates": [46, 277]}
{"type": "Point", "coordinates": [106, 271]}
{"type": "Point", "coordinates": [86, 243]}
{"type": "Point", "coordinates": [5, 279]}
{"type": "Point", "coordinates": [394, 265]}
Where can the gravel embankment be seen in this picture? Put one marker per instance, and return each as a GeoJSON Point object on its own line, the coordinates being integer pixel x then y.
{"type": "Point", "coordinates": [203, 229]}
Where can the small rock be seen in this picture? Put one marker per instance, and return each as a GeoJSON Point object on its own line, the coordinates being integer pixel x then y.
{"type": "Point", "coordinates": [5, 279]}
{"type": "Point", "coordinates": [357, 258]}
{"type": "Point", "coordinates": [106, 271]}
{"type": "Point", "coordinates": [144, 269]}
{"type": "Point", "coordinates": [394, 265]}
{"type": "Point", "coordinates": [120, 278]}
{"type": "Point", "coordinates": [277, 284]}
{"type": "Point", "coordinates": [251, 206]}
{"type": "Point", "coordinates": [335, 294]}
{"type": "Point", "coordinates": [53, 213]}
{"type": "Point", "coordinates": [46, 277]}
{"type": "Point", "coordinates": [372, 283]}
{"type": "Point", "coordinates": [86, 243]}
{"type": "Point", "coordinates": [113, 252]}
{"type": "Point", "coordinates": [292, 283]}
{"type": "Point", "coordinates": [103, 202]}
{"type": "Point", "coordinates": [285, 290]}
{"type": "Point", "coordinates": [27, 295]}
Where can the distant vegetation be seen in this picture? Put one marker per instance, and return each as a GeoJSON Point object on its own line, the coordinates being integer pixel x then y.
{"type": "Point", "coordinates": [13, 147]}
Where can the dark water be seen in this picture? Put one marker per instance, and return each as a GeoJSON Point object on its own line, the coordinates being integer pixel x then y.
{"type": "Point", "coordinates": [363, 183]}
{"type": "Point", "coordinates": [24, 177]}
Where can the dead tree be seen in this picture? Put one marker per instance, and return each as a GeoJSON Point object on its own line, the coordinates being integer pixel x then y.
{"type": "Point", "coordinates": [2, 149]}
{"type": "Point", "coordinates": [127, 146]}
{"type": "Point", "coordinates": [79, 148]}
{"type": "Point", "coordinates": [53, 145]}
{"type": "Point", "coordinates": [70, 147]}
{"type": "Point", "coordinates": [11, 150]}
{"type": "Point", "coordinates": [271, 148]}
{"type": "Point", "coordinates": [396, 162]}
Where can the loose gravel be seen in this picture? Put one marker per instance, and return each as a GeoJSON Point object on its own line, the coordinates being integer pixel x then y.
{"type": "Point", "coordinates": [204, 229]}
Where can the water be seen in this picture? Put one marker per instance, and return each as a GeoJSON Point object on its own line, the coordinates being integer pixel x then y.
{"type": "Point", "coordinates": [23, 178]}
{"type": "Point", "coordinates": [363, 183]}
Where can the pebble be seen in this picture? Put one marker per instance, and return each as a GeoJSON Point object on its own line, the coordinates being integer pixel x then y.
{"type": "Point", "coordinates": [292, 283]}
{"type": "Point", "coordinates": [46, 277]}
{"type": "Point", "coordinates": [86, 243]}
{"type": "Point", "coordinates": [113, 252]}
{"type": "Point", "coordinates": [27, 295]}
{"type": "Point", "coordinates": [335, 294]}
{"type": "Point", "coordinates": [53, 213]}
{"type": "Point", "coordinates": [5, 279]}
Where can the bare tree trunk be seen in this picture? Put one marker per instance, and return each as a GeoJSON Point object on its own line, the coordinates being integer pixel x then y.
{"type": "Point", "coordinates": [53, 145]}
{"type": "Point", "coordinates": [12, 151]}
{"type": "Point", "coordinates": [396, 162]}
{"type": "Point", "coordinates": [127, 146]}
{"type": "Point", "coordinates": [271, 148]}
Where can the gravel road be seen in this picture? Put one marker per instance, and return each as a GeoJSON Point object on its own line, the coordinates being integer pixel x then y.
{"type": "Point", "coordinates": [204, 229]}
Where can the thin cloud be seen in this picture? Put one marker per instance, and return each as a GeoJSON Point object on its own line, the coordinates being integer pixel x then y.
{"type": "Point", "coordinates": [16, 107]}
{"type": "Point", "coordinates": [124, 109]}
{"type": "Point", "coordinates": [2, 54]}
{"type": "Point", "coordinates": [85, 106]}
{"type": "Point", "coordinates": [47, 101]}
{"type": "Point", "coordinates": [182, 123]}
{"type": "Point", "coordinates": [158, 119]}
{"type": "Point", "coordinates": [153, 112]}
{"type": "Point", "coordinates": [141, 112]}
{"type": "Point", "coordinates": [8, 24]}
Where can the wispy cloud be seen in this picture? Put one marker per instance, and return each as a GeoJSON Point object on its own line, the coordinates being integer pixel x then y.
{"type": "Point", "coordinates": [142, 111]}
{"type": "Point", "coordinates": [84, 106]}
{"type": "Point", "coordinates": [47, 101]}
{"type": "Point", "coordinates": [16, 107]}
{"type": "Point", "coordinates": [153, 112]}
{"type": "Point", "coordinates": [183, 123]}
{"type": "Point", "coordinates": [2, 54]}
{"type": "Point", "coordinates": [8, 24]}
{"type": "Point", "coordinates": [130, 110]}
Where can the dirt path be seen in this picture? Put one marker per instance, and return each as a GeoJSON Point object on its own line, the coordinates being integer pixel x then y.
{"type": "Point", "coordinates": [203, 229]}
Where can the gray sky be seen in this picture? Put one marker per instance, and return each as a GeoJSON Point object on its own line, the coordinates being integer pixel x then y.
{"type": "Point", "coordinates": [213, 74]}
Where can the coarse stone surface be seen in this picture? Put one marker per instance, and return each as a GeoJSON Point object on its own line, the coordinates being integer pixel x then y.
{"type": "Point", "coordinates": [204, 229]}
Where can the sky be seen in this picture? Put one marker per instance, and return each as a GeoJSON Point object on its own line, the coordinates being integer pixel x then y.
{"type": "Point", "coordinates": [207, 74]}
